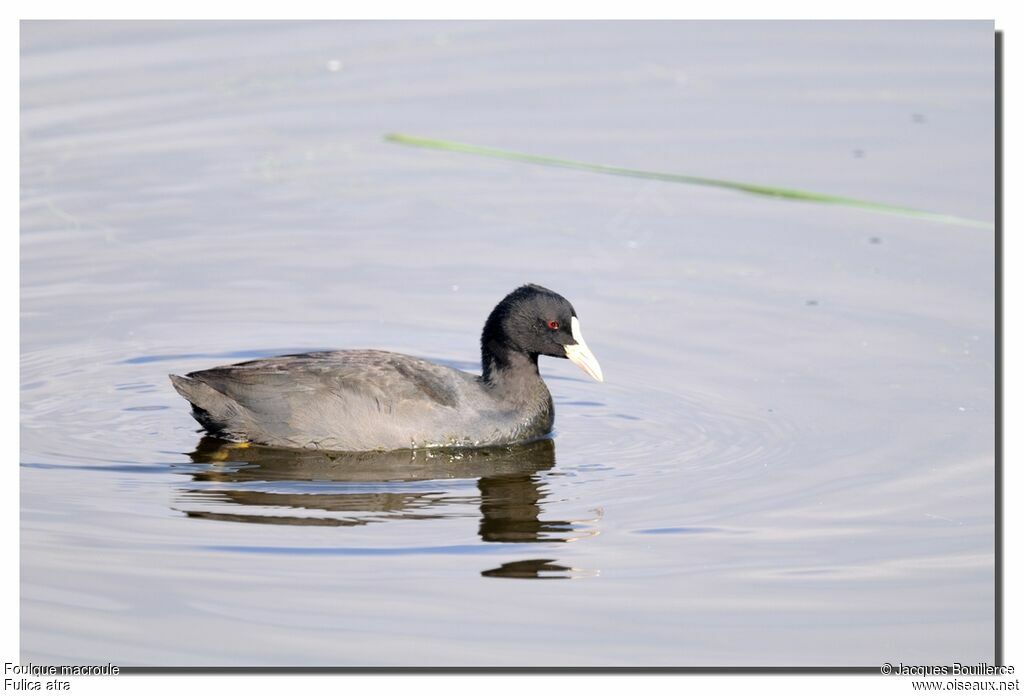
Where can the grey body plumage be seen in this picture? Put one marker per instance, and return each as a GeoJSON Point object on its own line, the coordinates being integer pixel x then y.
{"type": "Point", "coordinates": [361, 400]}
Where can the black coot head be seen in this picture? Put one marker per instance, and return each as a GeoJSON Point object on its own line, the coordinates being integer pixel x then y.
{"type": "Point", "coordinates": [537, 321]}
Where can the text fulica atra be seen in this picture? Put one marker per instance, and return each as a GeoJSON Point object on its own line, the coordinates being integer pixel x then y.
{"type": "Point", "coordinates": [361, 400]}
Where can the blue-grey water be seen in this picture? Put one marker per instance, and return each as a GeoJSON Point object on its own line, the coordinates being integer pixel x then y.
{"type": "Point", "coordinates": [790, 461]}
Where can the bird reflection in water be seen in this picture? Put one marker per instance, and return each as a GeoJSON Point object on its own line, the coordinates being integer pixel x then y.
{"type": "Point", "coordinates": [540, 568]}
{"type": "Point", "coordinates": [255, 484]}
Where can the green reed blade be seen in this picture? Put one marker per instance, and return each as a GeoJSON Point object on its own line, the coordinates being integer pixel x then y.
{"type": "Point", "coordinates": [756, 189]}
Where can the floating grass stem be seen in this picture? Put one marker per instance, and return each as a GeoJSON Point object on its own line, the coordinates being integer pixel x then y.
{"type": "Point", "coordinates": [745, 187]}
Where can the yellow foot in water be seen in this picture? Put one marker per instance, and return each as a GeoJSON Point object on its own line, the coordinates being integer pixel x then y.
{"type": "Point", "coordinates": [225, 450]}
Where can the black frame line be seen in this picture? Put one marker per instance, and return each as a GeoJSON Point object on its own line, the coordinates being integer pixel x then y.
{"type": "Point", "coordinates": [998, 480]}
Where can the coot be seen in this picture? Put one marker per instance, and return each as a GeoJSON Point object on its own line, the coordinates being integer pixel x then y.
{"type": "Point", "coordinates": [363, 400]}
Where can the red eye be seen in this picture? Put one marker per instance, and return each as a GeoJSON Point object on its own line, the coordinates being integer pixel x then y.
{"type": "Point", "coordinates": [553, 325]}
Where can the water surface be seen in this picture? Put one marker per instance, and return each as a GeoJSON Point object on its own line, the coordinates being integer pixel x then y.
{"type": "Point", "coordinates": [790, 461]}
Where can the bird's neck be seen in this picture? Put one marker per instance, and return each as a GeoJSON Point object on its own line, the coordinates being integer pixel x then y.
{"type": "Point", "coordinates": [501, 363]}
{"type": "Point", "coordinates": [511, 373]}
{"type": "Point", "coordinates": [512, 379]}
